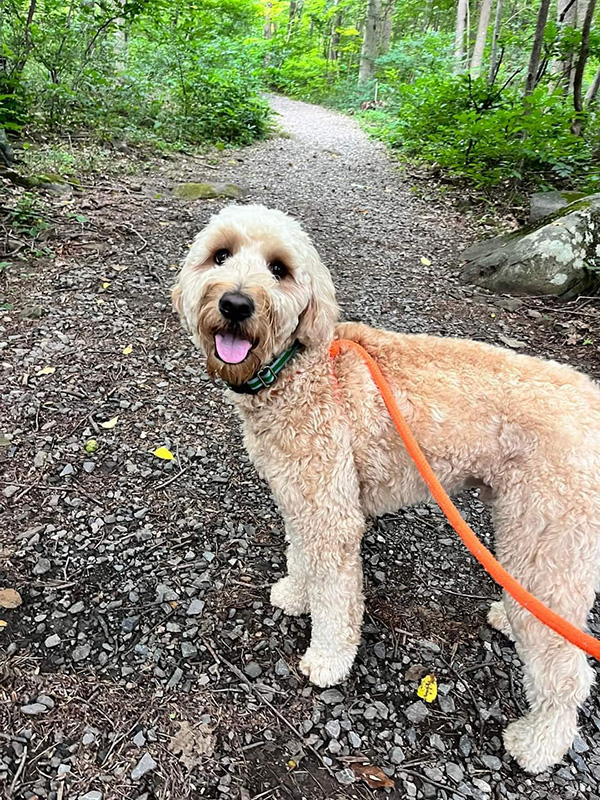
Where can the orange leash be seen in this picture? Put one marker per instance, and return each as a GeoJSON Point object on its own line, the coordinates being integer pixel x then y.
{"type": "Point", "coordinates": [550, 618]}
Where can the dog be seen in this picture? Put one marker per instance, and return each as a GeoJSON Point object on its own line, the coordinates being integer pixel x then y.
{"type": "Point", "coordinates": [254, 293]}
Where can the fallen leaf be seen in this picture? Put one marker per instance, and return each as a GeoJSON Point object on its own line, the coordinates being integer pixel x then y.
{"type": "Point", "coordinates": [91, 446]}
{"type": "Point", "coordinates": [127, 350]}
{"type": "Point", "coordinates": [373, 776]}
{"type": "Point", "coordinates": [110, 423]}
{"type": "Point", "coordinates": [46, 371]}
{"type": "Point", "coordinates": [191, 743]}
{"type": "Point", "coordinates": [291, 764]}
{"type": "Point", "coordinates": [428, 688]}
{"type": "Point", "coordinates": [425, 261]}
{"type": "Point", "coordinates": [105, 284]}
{"type": "Point", "coordinates": [164, 453]}
{"type": "Point", "coordinates": [100, 301]}
{"type": "Point", "coordinates": [510, 342]}
{"type": "Point", "coordinates": [9, 598]}
{"type": "Point", "coordinates": [3, 623]}
{"type": "Point", "coordinates": [120, 268]}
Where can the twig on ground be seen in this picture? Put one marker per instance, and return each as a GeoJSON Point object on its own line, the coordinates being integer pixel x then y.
{"type": "Point", "coordinates": [15, 780]}
{"type": "Point", "coordinates": [173, 478]}
{"type": "Point", "coordinates": [240, 675]}
{"type": "Point", "coordinates": [431, 782]}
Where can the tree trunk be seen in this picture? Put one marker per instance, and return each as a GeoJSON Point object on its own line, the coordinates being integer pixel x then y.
{"type": "Point", "coordinates": [592, 92]}
{"type": "Point", "coordinates": [334, 38]}
{"type": "Point", "coordinates": [268, 28]}
{"type": "Point", "coordinates": [484, 21]}
{"type": "Point", "coordinates": [566, 16]}
{"type": "Point", "coordinates": [494, 64]}
{"type": "Point", "coordinates": [577, 126]}
{"type": "Point", "coordinates": [370, 46]}
{"type": "Point", "coordinates": [536, 50]}
{"type": "Point", "coordinates": [387, 23]}
{"type": "Point", "coordinates": [459, 35]}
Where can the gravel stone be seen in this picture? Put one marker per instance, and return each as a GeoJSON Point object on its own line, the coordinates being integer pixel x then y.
{"type": "Point", "coordinates": [491, 762]}
{"type": "Point", "coordinates": [417, 712]}
{"type": "Point", "coordinates": [144, 765]}
{"type": "Point", "coordinates": [397, 755]}
{"type": "Point", "coordinates": [53, 640]}
{"type": "Point", "coordinates": [333, 729]}
{"type": "Point", "coordinates": [331, 697]}
{"type": "Point", "coordinates": [93, 795]}
{"type": "Point", "coordinates": [33, 709]}
{"type": "Point", "coordinates": [345, 777]}
{"type": "Point", "coordinates": [42, 567]}
{"type": "Point", "coordinates": [252, 669]}
{"type": "Point", "coordinates": [455, 772]}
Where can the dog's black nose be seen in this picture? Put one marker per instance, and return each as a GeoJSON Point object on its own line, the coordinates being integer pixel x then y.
{"type": "Point", "coordinates": [236, 307]}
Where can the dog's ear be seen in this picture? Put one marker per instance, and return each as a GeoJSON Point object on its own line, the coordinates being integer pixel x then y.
{"type": "Point", "coordinates": [318, 319]}
{"type": "Point", "coordinates": [177, 300]}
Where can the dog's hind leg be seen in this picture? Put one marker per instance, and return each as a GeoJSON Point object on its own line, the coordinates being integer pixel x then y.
{"type": "Point", "coordinates": [498, 618]}
{"type": "Point", "coordinates": [555, 556]}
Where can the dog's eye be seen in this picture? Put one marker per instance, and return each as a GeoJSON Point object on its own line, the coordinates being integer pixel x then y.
{"type": "Point", "coordinates": [221, 256]}
{"type": "Point", "coordinates": [278, 269]}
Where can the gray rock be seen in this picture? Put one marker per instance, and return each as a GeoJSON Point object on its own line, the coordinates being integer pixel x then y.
{"type": "Point", "coordinates": [93, 795]}
{"type": "Point", "coordinates": [145, 764]}
{"type": "Point", "coordinates": [67, 470]}
{"type": "Point", "coordinates": [555, 257]}
{"type": "Point", "coordinates": [88, 738]}
{"type": "Point", "coordinates": [188, 650]}
{"type": "Point", "coordinates": [80, 653]}
{"type": "Point", "coordinates": [252, 669]}
{"type": "Point", "coordinates": [454, 772]}
{"type": "Point", "coordinates": [195, 607]}
{"type": "Point", "coordinates": [345, 777]}
{"type": "Point", "coordinates": [331, 697]}
{"type": "Point", "coordinates": [282, 669]}
{"type": "Point", "coordinates": [354, 740]}
{"type": "Point", "coordinates": [333, 729]}
{"type": "Point", "coordinates": [542, 204]}
{"type": "Point", "coordinates": [397, 755]}
{"type": "Point", "coordinates": [491, 762]}
{"type": "Point", "coordinates": [464, 745]}
{"type": "Point", "coordinates": [417, 712]}
{"type": "Point", "coordinates": [34, 709]}
{"type": "Point", "coordinates": [53, 640]}
{"type": "Point", "coordinates": [45, 700]}
{"type": "Point", "coordinates": [42, 567]}
{"type": "Point", "coordinates": [139, 739]}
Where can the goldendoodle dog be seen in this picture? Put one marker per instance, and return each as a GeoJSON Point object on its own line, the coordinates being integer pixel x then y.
{"type": "Point", "coordinates": [257, 299]}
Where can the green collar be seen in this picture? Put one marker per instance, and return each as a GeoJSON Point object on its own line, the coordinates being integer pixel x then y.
{"type": "Point", "coordinates": [266, 376]}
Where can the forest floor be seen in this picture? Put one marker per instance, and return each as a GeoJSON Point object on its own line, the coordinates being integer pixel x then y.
{"type": "Point", "coordinates": [145, 660]}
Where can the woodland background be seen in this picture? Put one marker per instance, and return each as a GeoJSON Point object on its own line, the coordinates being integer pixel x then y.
{"type": "Point", "coordinates": [496, 92]}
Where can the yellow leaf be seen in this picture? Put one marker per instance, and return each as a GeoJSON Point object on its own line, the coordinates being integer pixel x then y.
{"type": "Point", "coordinates": [428, 688]}
{"type": "Point", "coordinates": [291, 764]}
{"type": "Point", "coordinates": [110, 423]}
{"type": "Point", "coordinates": [163, 453]}
{"type": "Point", "coordinates": [46, 371]}
{"type": "Point", "coordinates": [127, 350]}
{"type": "Point", "coordinates": [425, 261]}
{"type": "Point", "coordinates": [105, 284]}
{"type": "Point", "coordinates": [9, 598]}
{"type": "Point", "coordinates": [3, 623]}
{"type": "Point", "coordinates": [100, 301]}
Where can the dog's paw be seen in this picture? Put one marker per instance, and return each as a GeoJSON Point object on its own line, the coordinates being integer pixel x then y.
{"type": "Point", "coordinates": [536, 744]}
{"type": "Point", "coordinates": [327, 668]}
{"type": "Point", "coordinates": [290, 596]}
{"type": "Point", "coordinates": [498, 619]}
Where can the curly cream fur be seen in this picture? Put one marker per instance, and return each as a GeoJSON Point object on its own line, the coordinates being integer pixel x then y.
{"type": "Point", "coordinates": [526, 429]}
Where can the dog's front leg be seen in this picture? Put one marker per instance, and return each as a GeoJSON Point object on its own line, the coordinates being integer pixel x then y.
{"type": "Point", "coordinates": [291, 592]}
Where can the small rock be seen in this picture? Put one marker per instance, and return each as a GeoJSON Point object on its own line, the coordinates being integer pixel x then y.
{"type": "Point", "coordinates": [416, 712]}
{"type": "Point", "coordinates": [188, 650]}
{"type": "Point", "coordinates": [144, 765]}
{"type": "Point", "coordinates": [396, 755]}
{"type": "Point", "coordinates": [354, 740]}
{"type": "Point", "coordinates": [139, 739]}
{"type": "Point", "coordinates": [52, 641]}
{"type": "Point", "coordinates": [88, 738]}
{"type": "Point", "coordinates": [333, 729]}
{"type": "Point", "coordinates": [464, 745]}
{"type": "Point", "coordinates": [491, 762]}
{"type": "Point", "coordinates": [454, 772]}
{"type": "Point", "coordinates": [579, 745]}
{"type": "Point", "coordinates": [67, 470]}
{"type": "Point", "coordinates": [42, 567]}
{"type": "Point", "coordinates": [282, 669]}
{"type": "Point", "coordinates": [195, 607]}
{"type": "Point", "coordinates": [45, 700]}
{"type": "Point", "coordinates": [34, 709]}
{"type": "Point", "coordinates": [331, 697]}
{"type": "Point", "coordinates": [252, 669]}
{"type": "Point", "coordinates": [80, 653]}
{"type": "Point", "coordinates": [93, 795]}
{"type": "Point", "coordinates": [345, 777]}
{"type": "Point", "coordinates": [10, 490]}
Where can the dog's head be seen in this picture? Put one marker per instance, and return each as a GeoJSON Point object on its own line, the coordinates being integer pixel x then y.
{"type": "Point", "coordinates": [250, 286]}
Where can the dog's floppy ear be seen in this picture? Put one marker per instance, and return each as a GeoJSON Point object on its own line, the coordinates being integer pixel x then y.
{"type": "Point", "coordinates": [177, 299]}
{"type": "Point", "coordinates": [318, 319]}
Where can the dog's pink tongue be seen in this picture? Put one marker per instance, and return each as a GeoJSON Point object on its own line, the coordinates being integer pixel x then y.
{"type": "Point", "coordinates": [232, 349]}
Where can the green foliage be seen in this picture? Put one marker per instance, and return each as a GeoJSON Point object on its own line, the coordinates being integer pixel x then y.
{"type": "Point", "coordinates": [484, 133]}
{"type": "Point", "coordinates": [162, 70]}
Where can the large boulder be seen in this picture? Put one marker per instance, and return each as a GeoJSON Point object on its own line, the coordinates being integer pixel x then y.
{"type": "Point", "coordinates": [541, 204]}
{"type": "Point", "coordinates": [560, 255]}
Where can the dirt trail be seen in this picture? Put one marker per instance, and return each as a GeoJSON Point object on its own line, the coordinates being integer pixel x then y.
{"type": "Point", "coordinates": [145, 582]}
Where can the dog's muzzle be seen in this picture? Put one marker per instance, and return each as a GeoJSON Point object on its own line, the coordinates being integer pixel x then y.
{"type": "Point", "coordinates": [236, 306]}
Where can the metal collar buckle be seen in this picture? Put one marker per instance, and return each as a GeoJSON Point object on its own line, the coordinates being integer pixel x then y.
{"type": "Point", "coordinates": [266, 376]}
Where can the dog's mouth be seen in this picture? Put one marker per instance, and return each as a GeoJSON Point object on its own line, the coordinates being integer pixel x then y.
{"type": "Point", "coordinates": [232, 348]}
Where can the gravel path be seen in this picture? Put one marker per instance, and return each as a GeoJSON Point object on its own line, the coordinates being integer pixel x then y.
{"type": "Point", "coordinates": [145, 660]}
